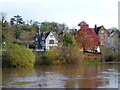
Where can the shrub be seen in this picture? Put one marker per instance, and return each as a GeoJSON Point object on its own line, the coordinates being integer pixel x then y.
{"type": "Point", "coordinates": [18, 42]}
{"type": "Point", "coordinates": [108, 55]}
{"type": "Point", "coordinates": [32, 46]}
{"type": "Point", "coordinates": [93, 60]}
{"type": "Point", "coordinates": [49, 57]}
{"type": "Point", "coordinates": [60, 55]}
{"type": "Point", "coordinates": [16, 55]}
{"type": "Point", "coordinates": [72, 54]}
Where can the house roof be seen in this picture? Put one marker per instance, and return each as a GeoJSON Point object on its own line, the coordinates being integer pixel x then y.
{"type": "Point", "coordinates": [47, 33]}
{"type": "Point", "coordinates": [98, 29]}
{"type": "Point", "coordinates": [82, 23]}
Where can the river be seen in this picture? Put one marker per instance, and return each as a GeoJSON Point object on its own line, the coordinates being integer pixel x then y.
{"type": "Point", "coordinates": [62, 76]}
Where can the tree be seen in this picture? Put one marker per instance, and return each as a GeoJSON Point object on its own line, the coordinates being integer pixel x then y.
{"type": "Point", "coordinates": [16, 20]}
{"type": "Point", "coordinates": [36, 25]}
{"type": "Point", "coordinates": [53, 26]}
{"type": "Point", "coordinates": [2, 17]}
{"type": "Point", "coordinates": [87, 38]}
{"type": "Point", "coordinates": [26, 37]}
{"type": "Point", "coordinates": [16, 56]}
{"type": "Point", "coordinates": [23, 32]}
{"type": "Point", "coordinates": [69, 40]}
{"type": "Point", "coordinates": [7, 33]}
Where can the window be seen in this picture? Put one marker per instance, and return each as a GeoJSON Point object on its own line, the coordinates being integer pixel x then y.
{"type": "Point", "coordinates": [103, 37]}
{"type": "Point", "coordinates": [51, 36]}
{"type": "Point", "coordinates": [43, 37]}
{"type": "Point", "coordinates": [51, 42]}
{"type": "Point", "coordinates": [102, 43]}
{"type": "Point", "coordinates": [102, 31]}
{"type": "Point", "coordinates": [36, 39]}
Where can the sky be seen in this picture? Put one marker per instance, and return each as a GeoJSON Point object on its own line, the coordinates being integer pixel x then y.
{"type": "Point", "coordinates": [71, 12]}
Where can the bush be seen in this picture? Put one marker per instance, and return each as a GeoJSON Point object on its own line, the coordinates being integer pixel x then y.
{"type": "Point", "coordinates": [32, 46]}
{"type": "Point", "coordinates": [18, 42]}
{"type": "Point", "coordinates": [16, 55]}
{"type": "Point", "coordinates": [61, 55]}
{"type": "Point", "coordinates": [50, 57]}
{"type": "Point", "coordinates": [93, 60]}
{"type": "Point", "coordinates": [72, 54]}
{"type": "Point", "coordinates": [108, 55]}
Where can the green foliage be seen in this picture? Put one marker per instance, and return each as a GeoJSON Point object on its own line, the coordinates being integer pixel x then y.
{"type": "Point", "coordinates": [18, 24]}
{"type": "Point", "coordinates": [27, 28]}
{"type": "Point", "coordinates": [53, 26]}
{"type": "Point", "coordinates": [7, 33]}
{"type": "Point", "coordinates": [16, 20]}
{"type": "Point", "coordinates": [69, 40]}
{"type": "Point", "coordinates": [18, 42]}
{"type": "Point", "coordinates": [61, 55]}
{"type": "Point", "coordinates": [32, 46]}
{"type": "Point", "coordinates": [72, 54]}
{"type": "Point", "coordinates": [35, 24]}
{"type": "Point", "coordinates": [49, 57]}
{"type": "Point", "coordinates": [16, 56]}
{"type": "Point", "coordinates": [24, 33]}
{"type": "Point", "coordinates": [93, 60]}
{"type": "Point", "coordinates": [17, 34]}
{"type": "Point", "coordinates": [108, 55]}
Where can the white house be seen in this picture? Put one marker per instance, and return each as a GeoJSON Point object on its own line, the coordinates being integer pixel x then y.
{"type": "Point", "coordinates": [51, 41]}
{"type": "Point", "coordinates": [46, 40]}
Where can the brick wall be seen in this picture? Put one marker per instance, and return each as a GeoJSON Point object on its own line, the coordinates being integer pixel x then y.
{"type": "Point", "coordinates": [103, 34]}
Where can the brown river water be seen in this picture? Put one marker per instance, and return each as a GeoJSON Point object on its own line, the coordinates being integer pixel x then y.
{"type": "Point", "coordinates": [62, 76]}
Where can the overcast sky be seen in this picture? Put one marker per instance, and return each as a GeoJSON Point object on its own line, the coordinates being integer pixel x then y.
{"type": "Point", "coordinates": [71, 12]}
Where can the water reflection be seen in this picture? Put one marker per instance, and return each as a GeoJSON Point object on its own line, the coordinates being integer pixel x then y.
{"type": "Point", "coordinates": [63, 76]}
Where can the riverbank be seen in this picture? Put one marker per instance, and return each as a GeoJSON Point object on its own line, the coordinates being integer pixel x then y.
{"type": "Point", "coordinates": [20, 56]}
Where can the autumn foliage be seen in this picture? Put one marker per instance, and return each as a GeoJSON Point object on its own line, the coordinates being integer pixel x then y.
{"type": "Point", "coordinates": [87, 37]}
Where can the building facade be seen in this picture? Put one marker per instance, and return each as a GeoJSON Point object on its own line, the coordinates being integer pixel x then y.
{"type": "Point", "coordinates": [114, 40]}
{"type": "Point", "coordinates": [103, 36]}
{"type": "Point", "coordinates": [45, 41]}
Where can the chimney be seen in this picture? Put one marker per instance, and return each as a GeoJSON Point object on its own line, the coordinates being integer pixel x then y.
{"type": "Point", "coordinates": [95, 29]}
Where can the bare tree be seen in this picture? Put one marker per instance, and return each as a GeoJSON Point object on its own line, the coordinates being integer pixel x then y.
{"type": "Point", "coordinates": [2, 17]}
